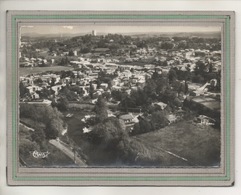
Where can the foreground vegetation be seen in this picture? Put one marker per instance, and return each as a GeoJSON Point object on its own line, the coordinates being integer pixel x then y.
{"type": "Point", "coordinates": [184, 143]}
{"type": "Point", "coordinates": [28, 143]}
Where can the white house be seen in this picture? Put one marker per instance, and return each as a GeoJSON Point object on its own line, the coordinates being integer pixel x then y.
{"type": "Point", "coordinates": [127, 118]}
{"type": "Point", "coordinates": [204, 120]}
{"type": "Point", "coordinates": [104, 86]}
{"type": "Point", "coordinates": [160, 105]}
{"type": "Point", "coordinates": [56, 88]}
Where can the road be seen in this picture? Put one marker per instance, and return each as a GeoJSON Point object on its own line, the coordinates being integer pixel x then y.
{"type": "Point", "coordinates": [61, 146]}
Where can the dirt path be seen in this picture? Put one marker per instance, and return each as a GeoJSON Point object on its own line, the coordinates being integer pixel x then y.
{"type": "Point", "coordinates": [163, 150]}
{"type": "Point", "coordinates": [68, 152]}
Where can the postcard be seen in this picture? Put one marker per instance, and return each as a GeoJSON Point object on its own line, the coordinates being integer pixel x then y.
{"type": "Point", "coordinates": [120, 98]}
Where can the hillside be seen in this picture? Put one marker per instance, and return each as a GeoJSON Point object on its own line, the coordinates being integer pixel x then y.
{"type": "Point", "coordinates": [184, 143]}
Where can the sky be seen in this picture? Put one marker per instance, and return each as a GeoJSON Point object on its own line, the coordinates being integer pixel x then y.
{"type": "Point", "coordinates": [120, 29]}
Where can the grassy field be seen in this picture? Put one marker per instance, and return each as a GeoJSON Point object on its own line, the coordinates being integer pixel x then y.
{"type": "Point", "coordinates": [184, 144]}
{"type": "Point", "coordinates": [37, 70]}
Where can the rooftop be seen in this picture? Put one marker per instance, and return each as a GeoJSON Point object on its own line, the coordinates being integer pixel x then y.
{"type": "Point", "coordinates": [126, 117]}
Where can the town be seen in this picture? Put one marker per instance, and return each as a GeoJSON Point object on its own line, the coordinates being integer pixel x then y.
{"type": "Point", "coordinates": [120, 100]}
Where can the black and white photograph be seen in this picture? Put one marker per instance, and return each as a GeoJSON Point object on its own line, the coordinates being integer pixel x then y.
{"type": "Point", "coordinates": [120, 96]}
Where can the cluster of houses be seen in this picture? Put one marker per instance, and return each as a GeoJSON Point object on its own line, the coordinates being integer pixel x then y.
{"type": "Point", "coordinates": [127, 76]}
{"type": "Point", "coordinates": [183, 59]}
{"type": "Point", "coordinates": [33, 62]}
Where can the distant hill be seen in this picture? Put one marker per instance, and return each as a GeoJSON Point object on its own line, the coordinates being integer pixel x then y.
{"type": "Point", "coordinates": [134, 35]}
{"type": "Point", "coordinates": [182, 34]}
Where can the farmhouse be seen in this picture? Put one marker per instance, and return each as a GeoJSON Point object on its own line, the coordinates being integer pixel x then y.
{"type": "Point", "coordinates": [204, 120]}
{"type": "Point", "coordinates": [160, 105]}
{"type": "Point", "coordinates": [127, 118]}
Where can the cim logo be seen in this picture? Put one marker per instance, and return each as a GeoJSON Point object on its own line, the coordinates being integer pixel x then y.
{"type": "Point", "coordinates": [37, 154]}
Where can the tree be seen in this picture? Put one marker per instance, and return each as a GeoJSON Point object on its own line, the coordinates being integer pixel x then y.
{"type": "Point", "coordinates": [169, 96]}
{"type": "Point", "coordinates": [158, 120]}
{"type": "Point", "coordinates": [53, 128]}
{"type": "Point", "coordinates": [63, 103]}
{"type": "Point", "coordinates": [172, 75]}
{"type": "Point", "coordinates": [167, 45]}
{"type": "Point", "coordinates": [150, 88]}
{"type": "Point", "coordinates": [139, 97]}
{"type": "Point", "coordinates": [109, 132]}
{"type": "Point", "coordinates": [198, 79]}
{"type": "Point", "coordinates": [178, 86]}
{"type": "Point", "coordinates": [188, 68]}
{"type": "Point", "coordinates": [136, 129]}
{"type": "Point", "coordinates": [64, 61]}
{"type": "Point", "coordinates": [117, 95]}
{"type": "Point", "coordinates": [38, 81]}
{"type": "Point", "coordinates": [127, 102]}
{"type": "Point", "coordinates": [45, 93]}
{"type": "Point", "coordinates": [186, 87]}
{"type": "Point", "coordinates": [71, 53]}
{"type": "Point", "coordinates": [76, 89]}
{"type": "Point", "coordinates": [219, 80]}
{"type": "Point", "coordinates": [53, 80]}
{"type": "Point", "coordinates": [110, 84]}
{"type": "Point", "coordinates": [28, 111]}
{"type": "Point", "coordinates": [182, 44]}
{"type": "Point", "coordinates": [143, 126]}
{"type": "Point", "coordinates": [38, 136]}
{"type": "Point", "coordinates": [200, 68]}
{"type": "Point", "coordinates": [26, 146]}
{"type": "Point", "coordinates": [155, 75]}
{"type": "Point", "coordinates": [85, 50]}
{"type": "Point", "coordinates": [68, 94]}
{"type": "Point", "coordinates": [106, 95]}
{"type": "Point", "coordinates": [162, 84]}
{"type": "Point", "coordinates": [101, 109]}
{"type": "Point", "coordinates": [50, 117]}
{"type": "Point", "coordinates": [210, 68]}
{"type": "Point", "coordinates": [91, 91]}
